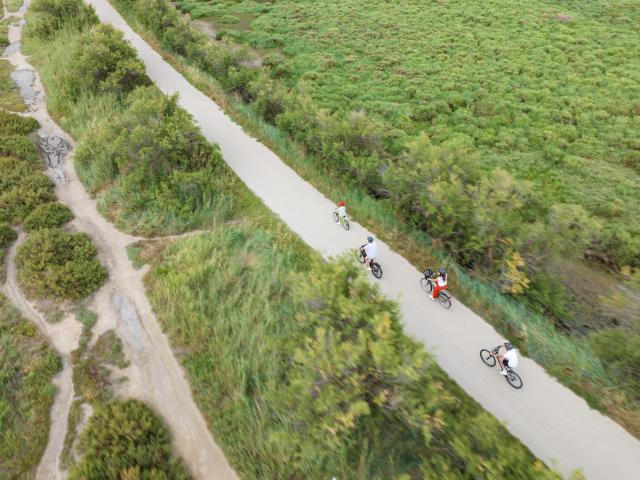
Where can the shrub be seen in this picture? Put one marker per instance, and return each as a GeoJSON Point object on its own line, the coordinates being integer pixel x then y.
{"type": "Point", "coordinates": [126, 440]}
{"type": "Point", "coordinates": [52, 15]}
{"type": "Point", "coordinates": [228, 19]}
{"type": "Point", "coordinates": [18, 146]}
{"type": "Point", "coordinates": [60, 265]}
{"type": "Point", "coordinates": [104, 62]}
{"type": "Point", "coordinates": [48, 215]}
{"type": "Point", "coordinates": [7, 235]}
{"type": "Point", "coordinates": [161, 170]}
{"type": "Point", "coordinates": [620, 352]}
{"type": "Point", "coordinates": [12, 124]}
{"type": "Point", "coordinates": [22, 190]}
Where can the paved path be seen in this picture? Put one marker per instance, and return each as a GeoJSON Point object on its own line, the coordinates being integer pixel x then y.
{"type": "Point", "coordinates": [557, 425]}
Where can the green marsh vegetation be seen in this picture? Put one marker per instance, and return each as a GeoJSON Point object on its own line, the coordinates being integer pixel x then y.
{"type": "Point", "coordinates": [474, 144]}
{"type": "Point", "coordinates": [27, 366]}
{"type": "Point", "coordinates": [237, 305]}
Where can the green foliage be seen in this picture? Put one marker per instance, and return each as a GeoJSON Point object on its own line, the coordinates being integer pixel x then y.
{"type": "Point", "coordinates": [159, 170]}
{"type": "Point", "coordinates": [20, 147]}
{"type": "Point", "coordinates": [125, 439]}
{"type": "Point", "coordinates": [12, 124]}
{"type": "Point", "coordinates": [51, 16]}
{"type": "Point", "coordinates": [56, 264]}
{"type": "Point", "coordinates": [327, 383]}
{"type": "Point", "coordinates": [48, 215]}
{"type": "Point", "coordinates": [7, 235]}
{"type": "Point", "coordinates": [108, 350]}
{"type": "Point", "coordinates": [621, 352]}
{"type": "Point", "coordinates": [22, 189]}
{"type": "Point", "coordinates": [104, 63]}
{"type": "Point", "coordinates": [27, 366]}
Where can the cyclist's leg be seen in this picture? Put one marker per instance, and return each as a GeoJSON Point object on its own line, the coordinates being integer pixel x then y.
{"type": "Point", "coordinates": [436, 290]}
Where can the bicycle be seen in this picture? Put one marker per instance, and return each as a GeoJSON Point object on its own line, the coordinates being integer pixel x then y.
{"type": "Point", "coordinates": [489, 359]}
{"type": "Point", "coordinates": [444, 299]}
{"type": "Point", "coordinates": [342, 220]}
{"type": "Point", "coordinates": [376, 269]}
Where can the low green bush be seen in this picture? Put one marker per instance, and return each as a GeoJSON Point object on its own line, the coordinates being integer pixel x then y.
{"type": "Point", "coordinates": [621, 353]}
{"type": "Point", "coordinates": [22, 189]}
{"type": "Point", "coordinates": [56, 264]}
{"type": "Point", "coordinates": [48, 215]}
{"type": "Point", "coordinates": [153, 167]}
{"type": "Point", "coordinates": [53, 15]}
{"type": "Point", "coordinates": [27, 366]}
{"type": "Point", "coordinates": [12, 124]}
{"type": "Point", "coordinates": [125, 439]}
{"type": "Point", "coordinates": [7, 235]}
{"type": "Point", "coordinates": [102, 62]}
{"type": "Point", "coordinates": [228, 19]}
{"type": "Point", "coordinates": [20, 147]}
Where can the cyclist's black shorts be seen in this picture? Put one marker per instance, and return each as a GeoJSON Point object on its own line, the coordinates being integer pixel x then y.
{"type": "Point", "coordinates": [505, 361]}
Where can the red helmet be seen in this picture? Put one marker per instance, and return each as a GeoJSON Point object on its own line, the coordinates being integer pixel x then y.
{"type": "Point", "coordinates": [341, 204]}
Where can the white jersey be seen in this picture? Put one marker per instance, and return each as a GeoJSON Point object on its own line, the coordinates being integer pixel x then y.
{"type": "Point", "coordinates": [512, 356]}
{"type": "Point", "coordinates": [342, 212]}
{"type": "Point", "coordinates": [371, 249]}
{"type": "Point", "coordinates": [441, 282]}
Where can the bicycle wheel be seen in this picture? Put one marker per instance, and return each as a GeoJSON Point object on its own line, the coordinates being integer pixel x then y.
{"type": "Point", "coordinates": [359, 256]}
{"type": "Point", "coordinates": [345, 223]}
{"type": "Point", "coordinates": [514, 379]}
{"type": "Point", "coordinates": [488, 359]}
{"type": "Point", "coordinates": [445, 300]}
{"type": "Point", "coordinates": [376, 270]}
{"type": "Point", "coordinates": [335, 217]}
{"type": "Point", "coordinates": [426, 285]}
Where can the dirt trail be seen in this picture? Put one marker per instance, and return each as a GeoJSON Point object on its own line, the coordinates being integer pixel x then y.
{"type": "Point", "coordinates": [154, 374]}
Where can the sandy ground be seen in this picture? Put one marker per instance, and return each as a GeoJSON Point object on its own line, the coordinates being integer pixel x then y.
{"type": "Point", "coordinates": [557, 425]}
{"type": "Point", "coordinates": [154, 375]}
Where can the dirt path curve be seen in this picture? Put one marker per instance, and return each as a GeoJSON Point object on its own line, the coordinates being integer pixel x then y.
{"type": "Point", "coordinates": [557, 425]}
{"type": "Point", "coordinates": [154, 374]}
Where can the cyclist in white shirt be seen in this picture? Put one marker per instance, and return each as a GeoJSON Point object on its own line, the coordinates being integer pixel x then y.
{"type": "Point", "coordinates": [507, 357]}
{"type": "Point", "coordinates": [370, 251]}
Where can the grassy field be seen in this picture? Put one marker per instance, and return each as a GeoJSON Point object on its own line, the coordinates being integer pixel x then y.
{"type": "Point", "coordinates": [549, 93]}
{"type": "Point", "coordinates": [243, 321]}
{"type": "Point", "coordinates": [27, 366]}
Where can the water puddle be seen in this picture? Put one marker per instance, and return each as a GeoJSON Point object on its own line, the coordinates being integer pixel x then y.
{"type": "Point", "coordinates": [132, 332]}
{"type": "Point", "coordinates": [14, 47]}
{"type": "Point", "coordinates": [24, 79]}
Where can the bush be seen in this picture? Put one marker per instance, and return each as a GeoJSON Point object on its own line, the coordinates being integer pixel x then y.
{"type": "Point", "coordinates": [60, 265]}
{"type": "Point", "coordinates": [620, 352]}
{"type": "Point", "coordinates": [48, 215]}
{"type": "Point", "coordinates": [126, 440]}
{"type": "Point", "coordinates": [53, 15]}
{"type": "Point", "coordinates": [160, 169]}
{"type": "Point", "coordinates": [21, 190]}
{"type": "Point", "coordinates": [7, 235]}
{"type": "Point", "coordinates": [12, 124]}
{"type": "Point", "coordinates": [18, 146]}
{"type": "Point", "coordinates": [104, 62]}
